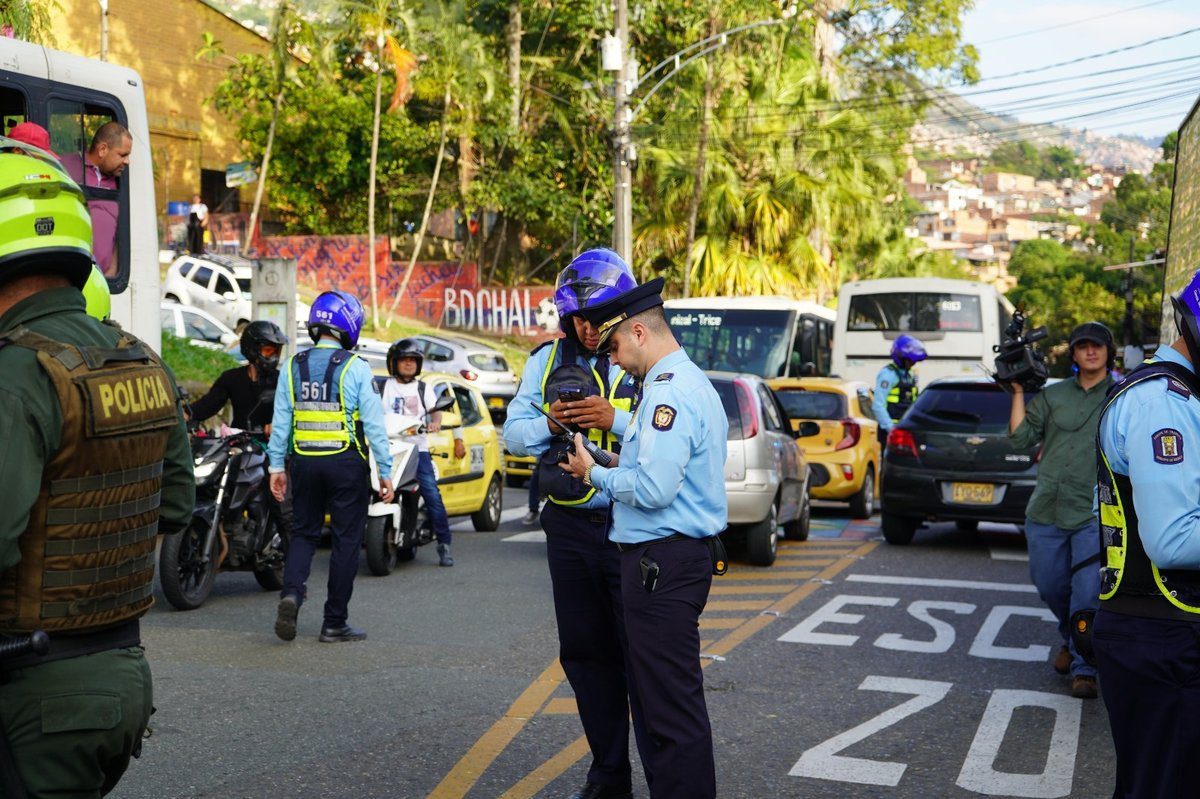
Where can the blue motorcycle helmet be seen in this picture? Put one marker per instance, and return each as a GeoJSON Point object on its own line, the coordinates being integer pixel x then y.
{"type": "Point", "coordinates": [907, 348]}
{"type": "Point", "coordinates": [593, 277]}
{"type": "Point", "coordinates": [338, 313]}
{"type": "Point", "coordinates": [1186, 305]}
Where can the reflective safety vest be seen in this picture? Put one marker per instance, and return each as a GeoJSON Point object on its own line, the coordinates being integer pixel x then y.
{"type": "Point", "coordinates": [563, 369]}
{"type": "Point", "coordinates": [1129, 580]}
{"type": "Point", "coordinates": [319, 425]}
{"type": "Point", "coordinates": [903, 392]}
{"type": "Point", "coordinates": [87, 555]}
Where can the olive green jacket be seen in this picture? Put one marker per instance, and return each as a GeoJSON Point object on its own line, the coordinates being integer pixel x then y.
{"type": "Point", "coordinates": [31, 420]}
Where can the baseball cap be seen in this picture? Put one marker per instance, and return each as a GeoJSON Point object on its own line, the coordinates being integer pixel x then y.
{"type": "Point", "coordinates": [1093, 332]}
{"type": "Point", "coordinates": [32, 133]}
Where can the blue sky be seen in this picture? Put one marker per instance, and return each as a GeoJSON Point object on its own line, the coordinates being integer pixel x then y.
{"type": "Point", "coordinates": [1003, 31]}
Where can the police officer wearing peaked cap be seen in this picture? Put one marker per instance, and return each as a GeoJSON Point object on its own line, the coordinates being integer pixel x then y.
{"type": "Point", "coordinates": [665, 507]}
{"type": "Point", "coordinates": [567, 378]}
{"type": "Point", "coordinates": [1146, 634]}
{"type": "Point", "coordinates": [91, 477]}
{"type": "Point", "coordinates": [326, 413]}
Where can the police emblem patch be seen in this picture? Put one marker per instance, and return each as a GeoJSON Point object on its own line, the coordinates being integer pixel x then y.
{"type": "Point", "coordinates": [665, 377]}
{"type": "Point", "coordinates": [664, 417]}
{"type": "Point", "coordinates": [884, 384]}
{"type": "Point", "coordinates": [1168, 446]}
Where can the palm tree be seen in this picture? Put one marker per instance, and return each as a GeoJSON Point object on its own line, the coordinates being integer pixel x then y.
{"type": "Point", "coordinates": [461, 73]}
{"type": "Point", "coordinates": [377, 22]}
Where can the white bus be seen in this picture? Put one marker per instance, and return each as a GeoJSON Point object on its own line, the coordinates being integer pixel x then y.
{"type": "Point", "coordinates": [72, 97]}
{"type": "Point", "coordinates": [958, 321]}
{"type": "Point", "coordinates": [764, 336]}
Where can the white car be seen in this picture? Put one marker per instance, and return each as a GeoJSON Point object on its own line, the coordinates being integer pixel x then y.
{"type": "Point", "coordinates": [199, 327]}
{"type": "Point", "coordinates": [218, 284]}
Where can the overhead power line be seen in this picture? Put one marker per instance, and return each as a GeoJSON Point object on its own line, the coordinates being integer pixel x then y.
{"type": "Point", "coordinates": [1072, 23]}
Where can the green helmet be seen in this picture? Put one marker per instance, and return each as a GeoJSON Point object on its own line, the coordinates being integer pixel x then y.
{"type": "Point", "coordinates": [97, 295]}
{"type": "Point", "coordinates": [44, 221]}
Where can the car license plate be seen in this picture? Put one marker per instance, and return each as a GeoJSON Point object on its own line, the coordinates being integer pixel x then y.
{"type": "Point", "coordinates": [495, 402]}
{"type": "Point", "coordinates": [973, 493]}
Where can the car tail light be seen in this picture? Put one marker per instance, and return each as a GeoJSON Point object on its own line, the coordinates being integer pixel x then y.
{"type": "Point", "coordinates": [847, 471]}
{"type": "Point", "coordinates": [902, 442]}
{"type": "Point", "coordinates": [851, 432]}
{"type": "Point", "coordinates": [469, 374]}
{"type": "Point", "coordinates": [747, 411]}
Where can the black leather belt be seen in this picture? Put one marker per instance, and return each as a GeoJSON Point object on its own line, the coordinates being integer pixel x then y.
{"type": "Point", "coordinates": [64, 645]}
{"type": "Point", "coordinates": [663, 540]}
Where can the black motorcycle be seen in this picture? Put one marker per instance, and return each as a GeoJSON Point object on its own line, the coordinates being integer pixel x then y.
{"type": "Point", "coordinates": [234, 525]}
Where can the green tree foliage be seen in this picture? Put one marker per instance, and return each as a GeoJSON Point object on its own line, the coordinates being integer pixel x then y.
{"type": "Point", "coordinates": [1049, 163]}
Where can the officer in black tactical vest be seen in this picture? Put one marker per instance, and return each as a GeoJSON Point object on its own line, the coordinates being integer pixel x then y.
{"type": "Point", "coordinates": [567, 378]}
{"type": "Point", "coordinates": [95, 464]}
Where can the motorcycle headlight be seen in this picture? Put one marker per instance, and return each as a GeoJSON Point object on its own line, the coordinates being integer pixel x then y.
{"type": "Point", "coordinates": [204, 471]}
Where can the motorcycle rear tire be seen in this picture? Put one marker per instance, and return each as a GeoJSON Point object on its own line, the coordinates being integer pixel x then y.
{"type": "Point", "coordinates": [179, 549]}
{"type": "Point", "coordinates": [271, 577]}
{"type": "Point", "coordinates": [381, 546]}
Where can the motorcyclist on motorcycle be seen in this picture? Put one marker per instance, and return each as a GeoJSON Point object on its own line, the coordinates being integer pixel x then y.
{"type": "Point", "coordinates": [250, 388]}
{"type": "Point", "coordinates": [405, 394]}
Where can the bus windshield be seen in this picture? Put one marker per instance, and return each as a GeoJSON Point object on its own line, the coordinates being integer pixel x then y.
{"type": "Point", "coordinates": [735, 340]}
{"type": "Point", "coordinates": [915, 312]}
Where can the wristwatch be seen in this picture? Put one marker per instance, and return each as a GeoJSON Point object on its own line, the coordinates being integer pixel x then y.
{"type": "Point", "coordinates": [587, 475]}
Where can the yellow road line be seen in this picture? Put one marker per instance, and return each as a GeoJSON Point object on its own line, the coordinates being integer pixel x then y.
{"type": "Point", "coordinates": [739, 590]}
{"type": "Point", "coordinates": [720, 623]}
{"type": "Point", "coordinates": [737, 604]}
{"type": "Point", "coordinates": [792, 561]}
{"type": "Point", "coordinates": [767, 574]}
{"type": "Point", "coordinates": [467, 771]}
{"type": "Point", "coordinates": [470, 767]}
{"type": "Point", "coordinates": [561, 706]}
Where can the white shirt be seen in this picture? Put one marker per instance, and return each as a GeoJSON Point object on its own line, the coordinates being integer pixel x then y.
{"type": "Point", "coordinates": [401, 398]}
{"type": "Point", "coordinates": [200, 210]}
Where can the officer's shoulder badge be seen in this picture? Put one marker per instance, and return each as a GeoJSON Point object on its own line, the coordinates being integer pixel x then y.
{"type": "Point", "coordinates": [884, 384]}
{"type": "Point", "coordinates": [1168, 446]}
{"type": "Point", "coordinates": [665, 377]}
{"type": "Point", "coordinates": [1177, 387]}
{"type": "Point", "coordinates": [664, 417]}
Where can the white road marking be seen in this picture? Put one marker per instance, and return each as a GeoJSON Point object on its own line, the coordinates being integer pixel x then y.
{"type": "Point", "coordinates": [943, 632]}
{"type": "Point", "coordinates": [463, 524]}
{"type": "Point", "coordinates": [1009, 554]}
{"type": "Point", "coordinates": [532, 537]}
{"type": "Point", "coordinates": [979, 773]}
{"type": "Point", "coordinates": [823, 761]}
{"type": "Point", "coordinates": [882, 579]}
{"type": "Point", "coordinates": [984, 645]}
{"type": "Point", "coordinates": [805, 631]}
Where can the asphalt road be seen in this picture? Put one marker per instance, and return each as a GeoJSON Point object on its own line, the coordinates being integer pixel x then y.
{"type": "Point", "coordinates": [849, 669]}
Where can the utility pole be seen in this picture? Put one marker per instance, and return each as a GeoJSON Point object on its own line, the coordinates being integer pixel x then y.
{"type": "Point", "coordinates": [622, 171]}
{"type": "Point", "coordinates": [1128, 286]}
{"type": "Point", "coordinates": [103, 29]}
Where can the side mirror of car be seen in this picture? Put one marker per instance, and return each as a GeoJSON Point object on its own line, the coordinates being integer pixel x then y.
{"type": "Point", "coordinates": [229, 339]}
{"type": "Point", "coordinates": [229, 295]}
{"type": "Point", "coordinates": [807, 429]}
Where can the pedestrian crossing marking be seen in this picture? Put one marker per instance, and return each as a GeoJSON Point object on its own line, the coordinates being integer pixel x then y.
{"type": "Point", "coordinates": [735, 604]}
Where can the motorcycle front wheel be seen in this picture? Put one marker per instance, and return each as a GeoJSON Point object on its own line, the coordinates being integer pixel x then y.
{"type": "Point", "coordinates": [380, 542]}
{"type": "Point", "coordinates": [186, 578]}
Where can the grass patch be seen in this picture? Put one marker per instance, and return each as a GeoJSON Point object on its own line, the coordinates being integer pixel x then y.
{"type": "Point", "coordinates": [195, 367]}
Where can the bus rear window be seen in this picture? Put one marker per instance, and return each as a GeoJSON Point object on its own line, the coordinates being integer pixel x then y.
{"type": "Point", "coordinates": [915, 312]}
{"type": "Point", "coordinates": [739, 340]}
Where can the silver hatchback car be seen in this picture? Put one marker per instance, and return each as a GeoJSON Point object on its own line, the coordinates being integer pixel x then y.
{"type": "Point", "coordinates": [766, 474]}
{"type": "Point", "coordinates": [471, 360]}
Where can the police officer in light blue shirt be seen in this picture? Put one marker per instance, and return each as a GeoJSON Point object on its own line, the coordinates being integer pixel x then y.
{"type": "Point", "coordinates": [668, 489]}
{"type": "Point", "coordinates": [896, 385]}
{"type": "Point", "coordinates": [324, 407]}
{"type": "Point", "coordinates": [1146, 634]}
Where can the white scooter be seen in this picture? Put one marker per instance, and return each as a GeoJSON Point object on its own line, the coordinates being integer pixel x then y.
{"type": "Point", "coordinates": [395, 529]}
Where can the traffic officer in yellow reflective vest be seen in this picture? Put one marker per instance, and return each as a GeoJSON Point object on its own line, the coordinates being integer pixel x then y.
{"type": "Point", "coordinates": [324, 404]}
{"type": "Point", "coordinates": [668, 487]}
{"type": "Point", "coordinates": [896, 385]}
{"type": "Point", "coordinates": [569, 380]}
{"type": "Point", "coordinates": [1146, 634]}
{"type": "Point", "coordinates": [95, 463]}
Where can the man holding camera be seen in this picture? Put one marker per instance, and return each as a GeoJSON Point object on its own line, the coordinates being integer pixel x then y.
{"type": "Point", "coordinates": [1060, 526]}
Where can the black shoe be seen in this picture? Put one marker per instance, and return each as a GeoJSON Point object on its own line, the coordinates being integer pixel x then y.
{"type": "Point", "coordinates": [285, 618]}
{"type": "Point", "coordinates": [594, 790]}
{"type": "Point", "coordinates": [337, 635]}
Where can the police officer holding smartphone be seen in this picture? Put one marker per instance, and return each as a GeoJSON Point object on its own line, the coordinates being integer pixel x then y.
{"type": "Point", "coordinates": [569, 380]}
{"type": "Point", "coordinates": [667, 486]}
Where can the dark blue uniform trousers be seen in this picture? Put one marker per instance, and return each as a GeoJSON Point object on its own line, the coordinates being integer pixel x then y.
{"type": "Point", "coordinates": [337, 484]}
{"type": "Point", "coordinates": [585, 573]}
{"type": "Point", "coordinates": [663, 627]}
{"type": "Point", "coordinates": [1150, 679]}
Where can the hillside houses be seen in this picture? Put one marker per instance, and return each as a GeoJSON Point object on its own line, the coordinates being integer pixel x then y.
{"type": "Point", "coordinates": [980, 216]}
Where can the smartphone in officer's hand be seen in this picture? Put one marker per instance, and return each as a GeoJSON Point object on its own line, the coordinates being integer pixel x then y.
{"type": "Point", "coordinates": [570, 394]}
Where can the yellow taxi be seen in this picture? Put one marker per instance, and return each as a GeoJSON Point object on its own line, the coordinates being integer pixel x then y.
{"type": "Point", "coordinates": [844, 454]}
{"type": "Point", "coordinates": [471, 485]}
{"type": "Point", "coordinates": [518, 469]}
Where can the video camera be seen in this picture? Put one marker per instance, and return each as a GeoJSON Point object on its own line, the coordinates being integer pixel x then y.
{"type": "Point", "coordinates": [1016, 359]}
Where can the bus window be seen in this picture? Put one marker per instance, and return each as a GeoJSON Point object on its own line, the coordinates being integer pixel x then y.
{"type": "Point", "coordinates": [12, 109]}
{"type": "Point", "coordinates": [811, 350]}
{"type": "Point", "coordinates": [734, 340]}
{"type": "Point", "coordinates": [74, 125]}
{"type": "Point", "coordinates": [915, 312]}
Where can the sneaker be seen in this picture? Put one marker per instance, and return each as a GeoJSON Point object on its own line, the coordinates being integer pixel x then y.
{"type": "Point", "coordinates": [339, 635]}
{"type": "Point", "coordinates": [1084, 687]}
{"type": "Point", "coordinates": [530, 519]}
{"type": "Point", "coordinates": [285, 618]}
{"type": "Point", "coordinates": [444, 558]}
{"type": "Point", "coordinates": [1062, 661]}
